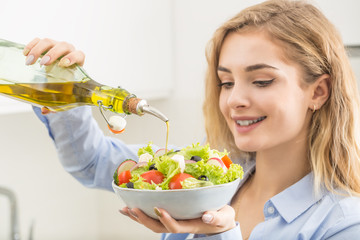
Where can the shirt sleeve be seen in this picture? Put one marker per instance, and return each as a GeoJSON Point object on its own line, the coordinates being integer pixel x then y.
{"type": "Point", "coordinates": [83, 150]}
{"type": "Point", "coordinates": [232, 234]}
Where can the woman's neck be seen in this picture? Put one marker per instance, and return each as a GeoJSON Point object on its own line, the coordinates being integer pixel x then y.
{"type": "Point", "coordinates": [279, 168]}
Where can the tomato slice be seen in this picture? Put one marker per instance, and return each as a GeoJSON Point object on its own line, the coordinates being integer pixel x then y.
{"type": "Point", "coordinates": [227, 161]}
{"type": "Point", "coordinates": [153, 176]}
{"type": "Point", "coordinates": [175, 182]}
{"type": "Point", "coordinates": [124, 177]}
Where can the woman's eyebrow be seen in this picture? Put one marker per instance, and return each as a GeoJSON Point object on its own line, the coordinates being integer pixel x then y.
{"type": "Point", "coordinates": [222, 69]}
{"type": "Point", "coordinates": [248, 68]}
{"type": "Point", "coordinates": [258, 66]}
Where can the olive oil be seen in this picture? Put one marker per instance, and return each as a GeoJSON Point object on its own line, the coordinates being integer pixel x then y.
{"type": "Point", "coordinates": [167, 136]}
{"type": "Point", "coordinates": [61, 96]}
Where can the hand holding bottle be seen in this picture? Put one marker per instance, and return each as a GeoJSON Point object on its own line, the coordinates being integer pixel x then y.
{"type": "Point", "coordinates": [53, 50]}
{"type": "Point", "coordinates": [66, 51]}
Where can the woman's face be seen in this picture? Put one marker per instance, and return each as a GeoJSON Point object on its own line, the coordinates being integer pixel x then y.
{"type": "Point", "coordinates": [262, 98]}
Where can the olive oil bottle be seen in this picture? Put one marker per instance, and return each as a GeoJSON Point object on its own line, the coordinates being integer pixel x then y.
{"type": "Point", "coordinates": [59, 88]}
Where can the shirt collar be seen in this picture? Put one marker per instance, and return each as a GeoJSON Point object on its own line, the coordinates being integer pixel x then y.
{"type": "Point", "coordinates": [287, 202]}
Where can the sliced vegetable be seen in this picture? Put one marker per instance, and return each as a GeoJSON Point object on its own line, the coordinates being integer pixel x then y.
{"type": "Point", "coordinates": [175, 182]}
{"type": "Point", "coordinates": [227, 161]}
{"type": "Point", "coordinates": [217, 162]}
{"type": "Point", "coordinates": [138, 165]}
{"type": "Point", "coordinates": [189, 161]}
{"type": "Point", "coordinates": [160, 152]}
{"type": "Point", "coordinates": [124, 177]}
{"type": "Point", "coordinates": [126, 165]}
{"type": "Point", "coordinates": [153, 176]}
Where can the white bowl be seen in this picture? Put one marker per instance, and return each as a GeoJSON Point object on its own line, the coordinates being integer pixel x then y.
{"type": "Point", "coordinates": [179, 203]}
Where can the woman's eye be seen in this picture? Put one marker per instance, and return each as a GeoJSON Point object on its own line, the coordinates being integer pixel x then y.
{"type": "Point", "coordinates": [226, 85]}
{"type": "Point", "coordinates": [263, 83]}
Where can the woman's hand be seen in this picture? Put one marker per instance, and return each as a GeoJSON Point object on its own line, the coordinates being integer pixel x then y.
{"type": "Point", "coordinates": [54, 50]}
{"type": "Point", "coordinates": [212, 222]}
{"type": "Point", "coordinates": [64, 51]}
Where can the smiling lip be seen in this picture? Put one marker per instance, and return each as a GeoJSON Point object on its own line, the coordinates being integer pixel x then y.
{"type": "Point", "coordinates": [246, 124]}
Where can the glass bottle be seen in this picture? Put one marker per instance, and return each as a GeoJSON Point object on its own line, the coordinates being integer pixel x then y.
{"type": "Point", "coordinates": [59, 88]}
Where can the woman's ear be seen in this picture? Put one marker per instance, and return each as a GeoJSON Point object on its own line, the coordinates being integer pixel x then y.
{"type": "Point", "coordinates": [320, 91]}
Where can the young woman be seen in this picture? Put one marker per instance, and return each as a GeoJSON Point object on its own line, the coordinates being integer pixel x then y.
{"type": "Point", "coordinates": [281, 96]}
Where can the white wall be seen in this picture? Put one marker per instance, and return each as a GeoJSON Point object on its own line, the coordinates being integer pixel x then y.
{"type": "Point", "coordinates": [45, 193]}
{"type": "Point", "coordinates": [61, 207]}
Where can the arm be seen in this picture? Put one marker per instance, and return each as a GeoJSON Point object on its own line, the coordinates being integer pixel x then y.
{"type": "Point", "coordinates": [83, 149]}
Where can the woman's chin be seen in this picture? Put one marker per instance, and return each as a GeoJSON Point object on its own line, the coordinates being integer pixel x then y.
{"type": "Point", "coordinates": [248, 147]}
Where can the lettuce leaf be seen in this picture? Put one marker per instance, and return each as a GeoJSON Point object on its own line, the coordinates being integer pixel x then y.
{"type": "Point", "coordinates": [140, 184]}
{"type": "Point", "coordinates": [234, 172]}
{"type": "Point", "coordinates": [196, 150]}
{"type": "Point", "coordinates": [202, 151]}
{"type": "Point", "coordinates": [146, 149]}
{"type": "Point", "coordinates": [168, 167]}
{"type": "Point", "coordinates": [214, 173]}
{"type": "Point", "coordinates": [139, 171]}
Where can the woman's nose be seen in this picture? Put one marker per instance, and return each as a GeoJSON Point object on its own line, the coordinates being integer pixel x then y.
{"type": "Point", "coordinates": [239, 97]}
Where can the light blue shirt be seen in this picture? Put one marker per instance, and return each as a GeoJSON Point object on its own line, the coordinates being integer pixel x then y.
{"type": "Point", "coordinates": [295, 213]}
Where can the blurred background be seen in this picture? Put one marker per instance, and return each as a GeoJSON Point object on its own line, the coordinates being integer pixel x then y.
{"type": "Point", "coordinates": [153, 48]}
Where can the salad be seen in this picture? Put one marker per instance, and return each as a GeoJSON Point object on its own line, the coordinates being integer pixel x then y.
{"type": "Point", "coordinates": [191, 167]}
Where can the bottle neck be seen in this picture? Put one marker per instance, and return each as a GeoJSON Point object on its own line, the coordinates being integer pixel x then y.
{"type": "Point", "coordinates": [111, 98]}
{"type": "Point", "coordinates": [140, 107]}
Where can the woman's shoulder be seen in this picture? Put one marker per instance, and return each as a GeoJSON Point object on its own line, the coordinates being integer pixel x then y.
{"type": "Point", "coordinates": [343, 215]}
{"type": "Point", "coordinates": [345, 203]}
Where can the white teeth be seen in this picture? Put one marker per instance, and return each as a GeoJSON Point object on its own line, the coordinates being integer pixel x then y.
{"type": "Point", "coordinates": [249, 122]}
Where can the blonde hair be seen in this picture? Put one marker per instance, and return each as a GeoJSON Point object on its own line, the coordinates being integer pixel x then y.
{"type": "Point", "coordinates": [310, 40]}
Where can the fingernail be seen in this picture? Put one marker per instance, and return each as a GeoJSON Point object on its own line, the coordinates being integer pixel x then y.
{"type": "Point", "coordinates": [133, 214]}
{"type": "Point", "coordinates": [64, 62]}
{"type": "Point", "coordinates": [207, 218]}
{"type": "Point", "coordinates": [26, 51]}
{"type": "Point", "coordinates": [123, 213]}
{"type": "Point", "coordinates": [29, 60]}
{"type": "Point", "coordinates": [45, 110]}
{"type": "Point", "coordinates": [157, 212]}
{"type": "Point", "coordinates": [45, 60]}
